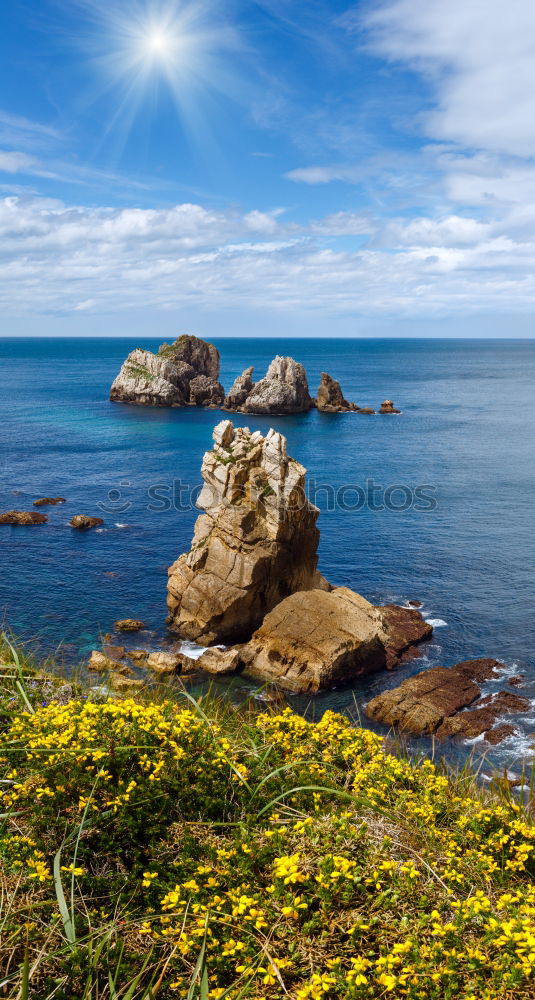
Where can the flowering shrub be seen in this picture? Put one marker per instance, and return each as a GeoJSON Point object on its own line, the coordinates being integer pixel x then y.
{"type": "Point", "coordinates": [252, 856]}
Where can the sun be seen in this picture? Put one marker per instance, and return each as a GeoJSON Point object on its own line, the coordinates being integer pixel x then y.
{"type": "Point", "coordinates": [158, 43]}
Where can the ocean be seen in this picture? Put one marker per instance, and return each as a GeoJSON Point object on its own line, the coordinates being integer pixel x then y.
{"type": "Point", "coordinates": [433, 505]}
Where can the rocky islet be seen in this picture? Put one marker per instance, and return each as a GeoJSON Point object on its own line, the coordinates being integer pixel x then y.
{"type": "Point", "coordinates": [186, 373]}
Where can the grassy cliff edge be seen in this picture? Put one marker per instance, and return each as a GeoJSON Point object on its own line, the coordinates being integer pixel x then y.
{"type": "Point", "coordinates": [174, 848]}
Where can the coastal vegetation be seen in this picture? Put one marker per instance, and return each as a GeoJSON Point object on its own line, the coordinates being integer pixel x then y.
{"type": "Point", "coordinates": [165, 847]}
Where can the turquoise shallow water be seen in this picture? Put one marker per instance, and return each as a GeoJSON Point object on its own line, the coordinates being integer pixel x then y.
{"type": "Point", "coordinates": [466, 434]}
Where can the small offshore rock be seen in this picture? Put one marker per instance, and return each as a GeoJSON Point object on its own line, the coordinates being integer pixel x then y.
{"type": "Point", "coordinates": [129, 625]}
{"type": "Point", "coordinates": [499, 733]}
{"type": "Point", "coordinates": [366, 409]}
{"type": "Point", "coordinates": [83, 523]}
{"type": "Point", "coordinates": [23, 517]}
{"type": "Point", "coordinates": [43, 501]}
{"type": "Point", "coordinates": [516, 681]}
{"type": "Point", "coordinates": [415, 604]}
{"type": "Point", "coordinates": [330, 398]}
{"type": "Point", "coordinates": [387, 406]}
{"type": "Point", "coordinates": [405, 629]}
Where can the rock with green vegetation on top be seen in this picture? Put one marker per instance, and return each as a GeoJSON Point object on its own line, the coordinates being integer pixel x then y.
{"type": "Point", "coordinates": [181, 374]}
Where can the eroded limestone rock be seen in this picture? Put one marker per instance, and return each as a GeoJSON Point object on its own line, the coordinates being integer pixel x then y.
{"type": "Point", "coordinates": [330, 398]}
{"type": "Point", "coordinates": [181, 374]}
{"type": "Point", "coordinates": [284, 389]}
{"type": "Point", "coordinates": [241, 389]}
{"type": "Point", "coordinates": [255, 543]}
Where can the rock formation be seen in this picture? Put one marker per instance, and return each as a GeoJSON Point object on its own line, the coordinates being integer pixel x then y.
{"type": "Point", "coordinates": [330, 398]}
{"type": "Point", "coordinates": [241, 388]}
{"type": "Point", "coordinates": [23, 517]}
{"type": "Point", "coordinates": [316, 640]}
{"type": "Point", "coordinates": [83, 523]}
{"type": "Point", "coordinates": [45, 501]}
{"type": "Point", "coordinates": [181, 374]}
{"type": "Point", "coordinates": [254, 545]}
{"type": "Point", "coordinates": [440, 701]}
{"type": "Point", "coordinates": [129, 625]}
{"type": "Point", "coordinates": [186, 373]}
{"type": "Point", "coordinates": [251, 578]}
{"type": "Point", "coordinates": [284, 389]}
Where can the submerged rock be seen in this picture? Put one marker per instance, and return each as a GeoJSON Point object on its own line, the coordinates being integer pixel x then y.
{"type": "Point", "coordinates": [284, 389]}
{"type": "Point", "coordinates": [129, 625]}
{"type": "Point", "coordinates": [330, 398]}
{"type": "Point", "coordinates": [255, 543]}
{"type": "Point", "coordinates": [181, 374]}
{"type": "Point", "coordinates": [447, 701]}
{"type": "Point", "coordinates": [44, 501]}
{"type": "Point", "coordinates": [83, 523]}
{"type": "Point", "coordinates": [23, 517]}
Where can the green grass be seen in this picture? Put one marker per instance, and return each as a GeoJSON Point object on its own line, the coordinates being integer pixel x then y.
{"type": "Point", "coordinates": [155, 848]}
{"type": "Point", "coordinates": [139, 371]}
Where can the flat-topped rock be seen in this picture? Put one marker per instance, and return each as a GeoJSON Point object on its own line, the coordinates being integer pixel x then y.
{"type": "Point", "coordinates": [23, 517]}
{"type": "Point", "coordinates": [447, 701]}
{"type": "Point", "coordinates": [46, 501]}
{"type": "Point", "coordinates": [320, 639]}
{"type": "Point", "coordinates": [316, 640]}
{"type": "Point", "coordinates": [405, 629]}
{"type": "Point", "coordinates": [82, 522]}
{"type": "Point", "coordinates": [255, 543]}
{"type": "Point", "coordinates": [129, 625]}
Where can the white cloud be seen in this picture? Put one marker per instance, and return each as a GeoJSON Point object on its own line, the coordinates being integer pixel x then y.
{"type": "Point", "coordinates": [325, 175]}
{"type": "Point", "coordinates": [59, 258]}
{"type": "Point", "coordinates": [14, 163]}
{"type": "Point", "coordinates": [479, 56]}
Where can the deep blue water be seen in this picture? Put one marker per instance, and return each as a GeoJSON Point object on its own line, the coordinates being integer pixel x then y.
{"type": "Point", "coordinates": [467, 431]}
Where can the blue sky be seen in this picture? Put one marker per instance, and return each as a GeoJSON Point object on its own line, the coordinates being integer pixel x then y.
{"type": "Point", "coordinates": [270, 167]}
